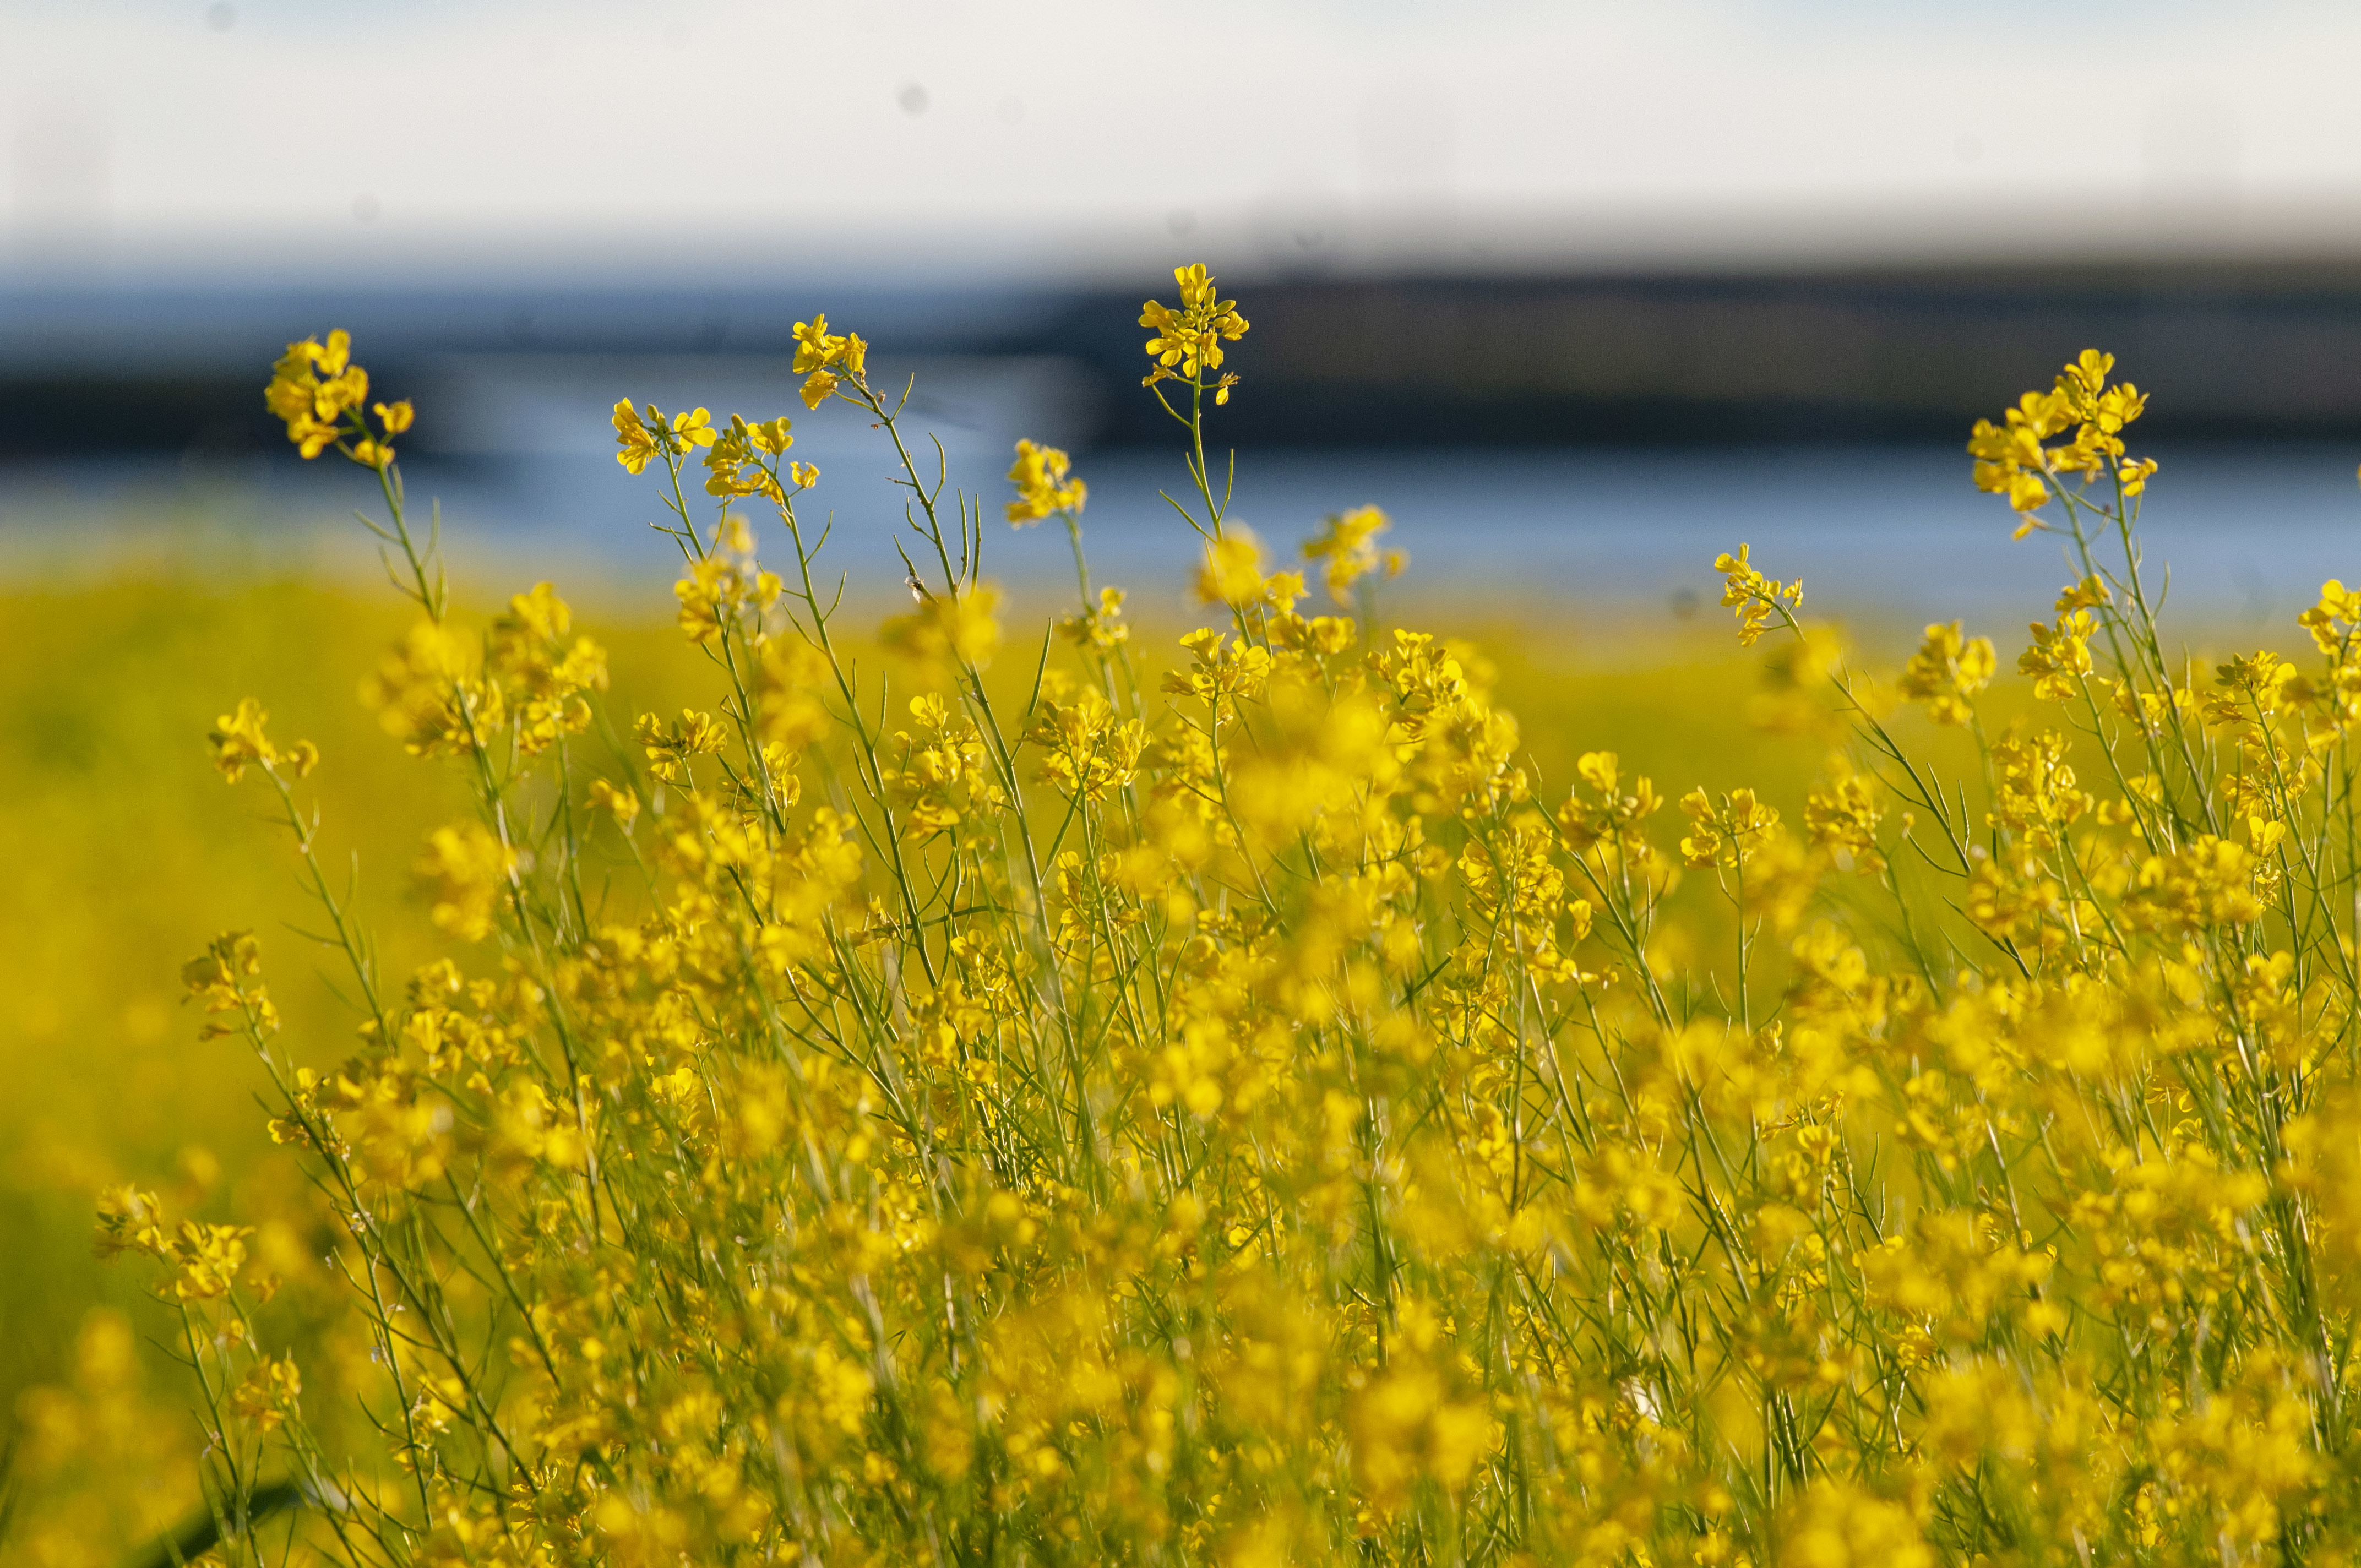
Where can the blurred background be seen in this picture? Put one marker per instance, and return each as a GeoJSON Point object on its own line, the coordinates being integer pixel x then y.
{"type": "Point", "coordinates": [1576, 291]}
{"type": "Point", "coordinates": [1581, 293]}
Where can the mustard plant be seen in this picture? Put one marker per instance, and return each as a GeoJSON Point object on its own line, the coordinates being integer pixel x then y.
{"type": "Point", "coordinates": [1016, 1104]}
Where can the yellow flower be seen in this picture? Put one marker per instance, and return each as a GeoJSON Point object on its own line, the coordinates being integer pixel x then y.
{"type": "Point", "coordinates": [694, 429]}
{"type": "Point", "coordinates": [1191, 337]}
{"type": "Point", "coordinates": [822, 354]}
{"type": "Point", "coordinates": [718, 592]}
{"type": "Point", "coordinates": [1947, 671]}
{"type": "Point", "coordinates": [1835, 1524]}
{"type": "Point", "coordinates": [773, 436]}
{"type": "Point", "coordinates": [1044, 489]}
{"type": "Point", "coordinates": [2208, 886]}
{"type": "Point", "coordinates": [239, 741]}
{"type": "Point", "coordinates": [1752, 596]}
{"type": "Point", "coordinates": [1221, 670]}
{"type": "Point", "coordinates": [2060, 655]}
{"type": "Point", "coordinates": [1102, 629]}
{"type": "Point", "coordinates": [226, 978]}
{"type": "Point", "coordinates": [816, 388]}
{"type": "Point", "coordinates": [131, 1221]}
{"type": "Point", "coordinates": [269, 1392]}
{"type": "Point", "coordinates": [1231, 572]}
{"type": "Point", "coordinates": [962, 628]}
{"type": "Point", "coordinates": [641, 438]}
{"type": "Point", "coordinates": [1347, 542]}
{"type": "Point", "coordinates": [619, 803]}
{"type": "Point", "coordinates": [632, 434]}
{"type": "Point", "coordinates": [466, 870]}
{"type": "Point", "coordinates": [1729, 834]}
{"type": "Point", "coordinates": [316, 406]}
{"type": "Point", "coordinates": [945, 776]}
{"type": "Point", "coordinates": [1091, 752]}
{"type": "Point", "coordinates": [2013, 459]}
{"type": "Point", "coordinates": [668, 750]}
{"type": "Point", "coordinates": [1842, 816]}
{"type": "Point", "coordinates": [734, 467]}
{"type": "Point", "coordinates": [1416, 1420]}
{"type": "Point", "coordinates": [210, 1258]}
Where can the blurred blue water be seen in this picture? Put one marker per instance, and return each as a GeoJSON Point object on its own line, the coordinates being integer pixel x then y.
{"type": "Point", "coordinates": [2246, 534]}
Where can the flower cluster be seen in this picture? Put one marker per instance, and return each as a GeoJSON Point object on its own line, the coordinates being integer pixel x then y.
{"type": "Point", "coordinates": [1187, 341]}
{"type": "Point", "coordinates": [1346, 544]}
{"type": "Point", "coordinates": [2014, 459]}
{"type": "Point", "coordinates": [1753, 598]}
{"type": "Point", "coordinates": [1045, 485]}
{"type": "Point", "coordinates": [318, 392]}
{"type": "Point", "coordinates": [643, 436]}
{"type": "Point", "coordinates": [1946, 672]}
{"type": "Point", "coordinates": [239, 742]}
{"type": "Point", "coordinates": [825, 359]}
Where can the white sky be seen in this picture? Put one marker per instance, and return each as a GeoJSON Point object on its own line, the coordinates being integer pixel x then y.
{"type": "Point", "coordinates": [145, 138]}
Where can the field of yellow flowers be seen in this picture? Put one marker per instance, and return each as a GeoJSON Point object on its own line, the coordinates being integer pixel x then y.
{"type": "Point", "coordinates": [114, 682]}
{"type": "Point", "coordinates": [785, 1089]}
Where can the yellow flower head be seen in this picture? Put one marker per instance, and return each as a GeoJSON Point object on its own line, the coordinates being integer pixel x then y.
{"type": "Point", "coordinates": [722, 590]}
{"type": "Point", "coordinates": [1752, 596]}
{"type": "Point", "coordinates": [636, 440]}
{"type": "Point", "coordinates": [1100, 629]}
{"type": "Point", "coordinates": [239, 741]}
{"type": "Point", "coordinates": [2334, 619]}
{"type": "Point", "coordinates": [962, 628]}
{"type": "Point", "coordinates": [640, 437]}
{"type": "Point", "coordinates": [1729, 833]}
{"type": "Point", "coordinates": [1044, 485]}
{"type": "Point", "coordinates": [1232, 571]}
{"type": "Point", "coordinates": [318, 393]}
{"type": "Point", "coordinates": [619, 803]}
{"type": "Point", "coordinates": [1346, 542]}
{"type": "Point", "coordinates": [1947, 672]}
{"type": "Point", "coordinates": [694, 428]}
{"type": "Point", "coordinates": [2015, 458]}
{"type": "Point", "coordinates": [465, 870]}
{"type": "Point", "coordinates": [734, 463]}
{"type": "Point", "coordinates": [1187, 341]}
{"type": "Point", "coordinates": [824, 358]}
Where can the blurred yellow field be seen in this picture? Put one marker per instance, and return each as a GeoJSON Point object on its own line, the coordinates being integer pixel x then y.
{"type": "Point", "coordinates": [130, 856]}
